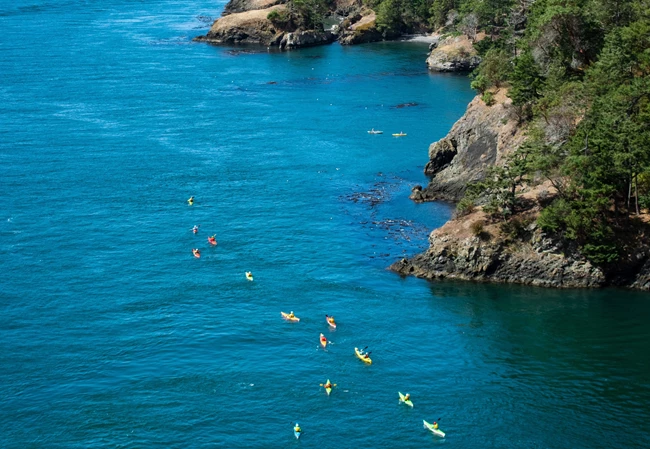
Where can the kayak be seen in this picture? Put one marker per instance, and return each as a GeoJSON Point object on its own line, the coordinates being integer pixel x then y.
{"type": "Point", "coordinates": [329, 322]}
{"type": "Point", "coordinates": [437, 432]}
{"type": "Point", "coordinates": [212, 241]}
{"type": "Point", "coordinates": [249, 275]}
{"type": "Point", "coordinates": [288, 318]}
{"type": "Point", "coordinates": [328, 389]}
{"type": "Point", "coordinates": [196, 253]}
{"type": "Point", "coordinates": [372, 131]}
{"type": "Point", "coordinates": [401, 399]}
{"type": "Point", "coordinates": [323, 340]}
{"type": "Point", "coordinates": [399, 135]}
{"type": "Point", "coordinates": [297, 431]}
{"type": "Point", "coordinates": [367, 360]}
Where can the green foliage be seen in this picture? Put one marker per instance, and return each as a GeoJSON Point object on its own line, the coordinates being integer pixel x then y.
{"type": "Point", "coordinates": [280, 19]}
{"type": "Point", "coordinates": [465, 206]}
{"type": "Point", "coordinates": [439, 11]}
{"type": "Point", "coordinates": [488, 98]}
{"type": "Point", "coordinates": [480, 83]}
{"type": "Point", "coordinates": [493, 70]}
{"type": "Point", "coordinates": [389, 16]}
{"type": "Point", "coordinates": [580, 77]}
{"type": "Point", "coordinates": [310, 14]}
{"type": "Point", "coordinates": [525, 80]}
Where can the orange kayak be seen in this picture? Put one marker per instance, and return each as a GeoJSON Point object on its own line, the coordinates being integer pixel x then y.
{"type": "Point", "coordinates": [212, 241]}
{"type": "Point", "coordinates": [196, 253]}
{"type": "Point", "coordinates": [323, 340]}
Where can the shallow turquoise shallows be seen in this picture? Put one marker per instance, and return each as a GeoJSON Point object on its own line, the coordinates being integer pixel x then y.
{"type": "Point", "coordinates": [113, 335]}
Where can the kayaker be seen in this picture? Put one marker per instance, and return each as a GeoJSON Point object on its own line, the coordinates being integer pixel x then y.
{"type": "Point", "coordinates": [435, 425]}
{"type": "Point", "coordinates": [407, 396]}
{"type": "Point", "coordinates": [191, 200]}
{"type": "Point", "coordinates": [195, 229]}
{"type": "Point", "coordinates": [291, 315]}
{"type": "Point", "coordinates": [196, 252]}
{"type": "Point", "coordinates": [297, 428]}
{"type": "Point", "coordinates": [328, 385]}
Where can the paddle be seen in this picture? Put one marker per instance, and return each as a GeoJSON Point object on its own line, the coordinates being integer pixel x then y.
{"type": "Point", "coordinates": [324, 385]}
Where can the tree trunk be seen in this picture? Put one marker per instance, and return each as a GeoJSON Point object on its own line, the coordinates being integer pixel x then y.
{"type": "Point", "coordinates": [636, 192]}
{"type": "Point", "coordinates": [629, 194]}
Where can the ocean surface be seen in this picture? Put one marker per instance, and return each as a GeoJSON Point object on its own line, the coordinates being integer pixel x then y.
{"type": "Point", "coordinates": [113, 335]}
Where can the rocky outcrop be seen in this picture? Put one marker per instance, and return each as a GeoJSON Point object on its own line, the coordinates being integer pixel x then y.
{"type": "Point", "coordinates": [246, 22]}
{"type": "Point", "coordinates": [362, 30]}
{"type": "Point", "coordinates": [299, 39]}
{"type": "Point", "coordinates": [456, 252]}
{"type": "Point", "coordinates": [453, 54]}
{"type": "Point", "coordinates": [250, 27]}
{"type": "Point", "coordinates": [235, 6]}
{"type": "Point", "coordinates": [478, 140]}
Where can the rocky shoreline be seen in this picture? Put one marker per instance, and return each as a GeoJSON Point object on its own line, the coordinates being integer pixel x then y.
{"type": "Point", "coordinates": [475, 248]}
{"type": "Point", "coordinates": [251, 22]}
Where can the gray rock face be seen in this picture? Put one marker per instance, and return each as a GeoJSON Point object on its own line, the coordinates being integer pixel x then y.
{"type": "Point", "coordinates": [471, 258]}
{"type": "Point", "coordinates": [306, 39]}
{"type": "Point", "coordinates": [480, 139]}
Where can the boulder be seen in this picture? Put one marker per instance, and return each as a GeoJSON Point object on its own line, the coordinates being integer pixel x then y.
{"type": "Point", "coordinates": [453, 54]}
{"type": "Point", "coordinates": [306, 39]}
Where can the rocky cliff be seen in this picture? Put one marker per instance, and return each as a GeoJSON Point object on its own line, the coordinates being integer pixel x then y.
{"type": "Point", "coordinates": [479, 248]}
{"type": "Point", "coordinates": [481, 138]}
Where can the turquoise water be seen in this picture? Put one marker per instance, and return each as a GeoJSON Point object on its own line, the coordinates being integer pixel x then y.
{"type": "Point", "coordinates": [113, 335]}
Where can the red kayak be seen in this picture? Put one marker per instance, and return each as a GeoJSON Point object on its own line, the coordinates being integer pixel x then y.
{"type": "Point", "coordinates": [323, 340]}
{"type": "Point", "coordinates": [196, 253]}
{"type": "Point", "coordinates": [212, 241]}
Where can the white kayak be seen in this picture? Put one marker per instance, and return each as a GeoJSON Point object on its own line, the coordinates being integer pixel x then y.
{"type": "Point", "coordinates": [437, 432]}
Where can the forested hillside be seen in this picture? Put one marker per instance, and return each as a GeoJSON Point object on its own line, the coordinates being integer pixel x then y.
{"type": "Point", "coordinates": [577, 72]}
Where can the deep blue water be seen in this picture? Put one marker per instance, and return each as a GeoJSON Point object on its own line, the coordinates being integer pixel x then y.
{"type": "Point", "coordinates": [113, 335]}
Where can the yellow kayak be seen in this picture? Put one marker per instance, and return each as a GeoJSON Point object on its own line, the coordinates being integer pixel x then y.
{"type": "Point", "coordinates": [403, 399]}
{"type": "Point", "coordinates": [363, 358]}
{"type": "Point", "coordinates": [328, 389]}
{"type": "Point", "coordinates": [249, 275]}
{"type": "Point", "coordinates": [399, 135]}
{"type": "Point", "coordinates": [288, 317]}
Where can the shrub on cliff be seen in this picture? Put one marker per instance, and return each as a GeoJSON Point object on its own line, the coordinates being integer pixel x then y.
{"type": "Point", "coordinates": [281, 20]}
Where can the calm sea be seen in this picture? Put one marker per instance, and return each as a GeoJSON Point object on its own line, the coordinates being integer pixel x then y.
{"type": "Point", "coordinates": [113, 335]}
